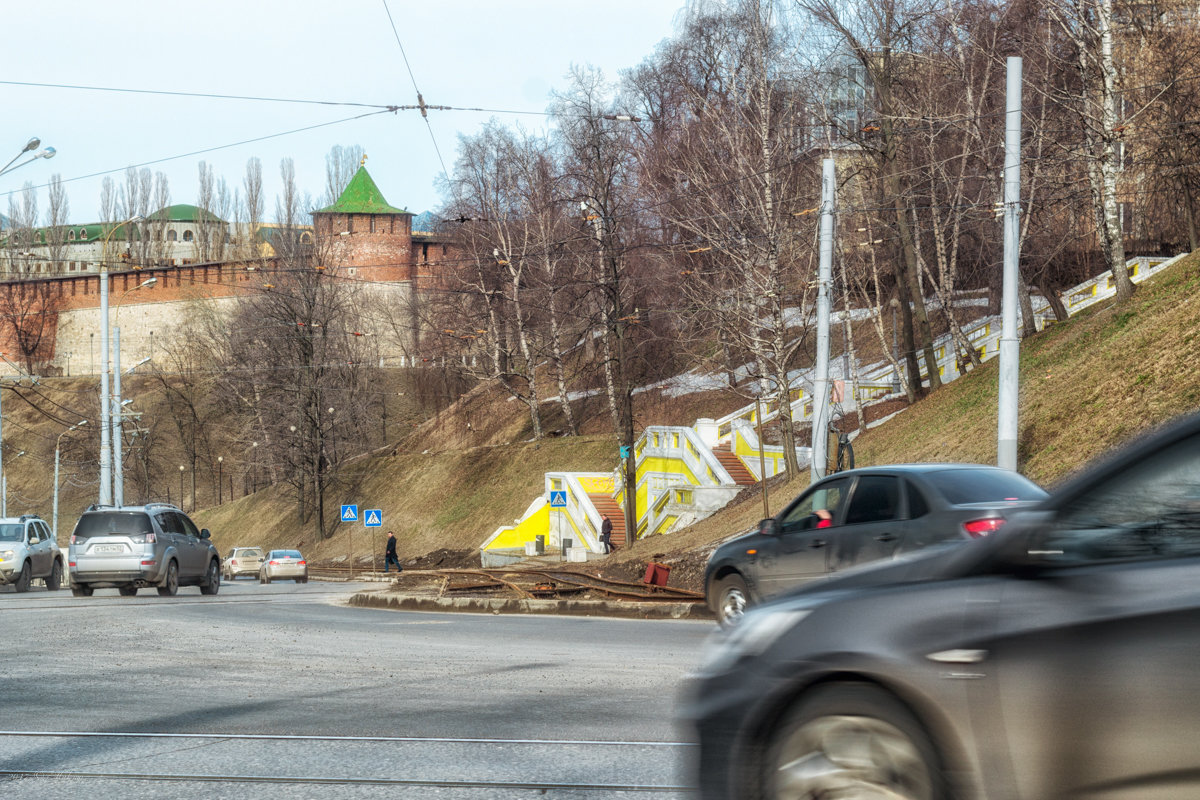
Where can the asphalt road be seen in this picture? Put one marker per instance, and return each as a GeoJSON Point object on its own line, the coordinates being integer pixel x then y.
{"type": "Point", "coordinates": [285, 691]}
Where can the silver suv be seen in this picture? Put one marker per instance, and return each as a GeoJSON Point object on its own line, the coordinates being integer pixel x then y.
{"type": "Point", "coordinates": [27, 551]}
{"type": "Point", "coordinates": [133, 547]}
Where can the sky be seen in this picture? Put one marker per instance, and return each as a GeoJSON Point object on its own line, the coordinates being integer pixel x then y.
{"type": "Point", "coordinates": [502, 55]}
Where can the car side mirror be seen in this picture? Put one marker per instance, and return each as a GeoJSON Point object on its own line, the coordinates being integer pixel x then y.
{"type": "Point", "coordinates": [768, 527]}
{"type": "Point", "coordinates": [34, 540]}
{"type": "Point", "coordinates": [204, 534]}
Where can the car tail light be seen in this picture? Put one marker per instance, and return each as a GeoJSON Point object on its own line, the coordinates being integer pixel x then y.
{"type": "Point", "coordinates": [272, 562]}
{"type": "Point", "coordinates": [233, 562]}
{"type": "Point", "coordinates": [70, 563]}
{"type": "Point", "coordinates": [302, 563]}
{"type": "Point", "coordinates": [149, 563]}
{"type": "Point", "coordinates": [978, 528]}
{"type": "Point", "coordinates": [144, 538]}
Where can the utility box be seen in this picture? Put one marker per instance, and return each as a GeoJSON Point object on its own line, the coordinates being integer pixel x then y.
{"type": "Point", "coordinates": [656, 574]}
{"type": "Point", "coordinates": [567, 545]}
{"type": "Point", "coordinates": [579, 554]}
{"type": "Point", "coordinates": [531, 548]}
{"type": "Point", "coordinates": [539, 545]}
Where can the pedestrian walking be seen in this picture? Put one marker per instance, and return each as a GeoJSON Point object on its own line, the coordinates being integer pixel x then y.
{"type": "Point", "coordinates": [606, 534]}
{"type": "Point", "coordinates": [389, 556]}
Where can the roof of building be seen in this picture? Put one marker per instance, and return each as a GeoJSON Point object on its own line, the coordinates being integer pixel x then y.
{"type": "Point", "coordinates": [183, 212]}
{"type": "Point", "coordinates": [361, 196]}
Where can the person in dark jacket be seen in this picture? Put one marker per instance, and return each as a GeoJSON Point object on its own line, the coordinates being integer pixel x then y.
{"type": "Point", "coordinates": [389, 557]}
{"type": "Point", "coordinates": [606, 534]}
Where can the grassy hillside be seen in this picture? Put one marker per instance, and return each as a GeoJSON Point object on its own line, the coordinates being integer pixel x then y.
{"type": "Point", "coordinates": [449, 500]}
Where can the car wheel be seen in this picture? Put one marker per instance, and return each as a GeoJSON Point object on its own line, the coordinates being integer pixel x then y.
{"type": "Point", "coordinates": [732, 600]}
{"type": "Point", "coordinates": [22, 582]}
{"type": "Point", "coordinates": [851, 740]}
{"type": "Point", "coordinates": [212, 584]}
{"type": "Point", "coordinates": [264, 577]}
{"type": "Point", "coordinates": [170, 585]}
{"type": "Point", "coordinates": [127, 591]}
{"type": "Point", "coordinates": [81, 590]}
{"type": "Point", "coordinates": [54, 579]}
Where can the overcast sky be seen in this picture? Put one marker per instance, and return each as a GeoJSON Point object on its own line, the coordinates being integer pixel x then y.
{"type": "Point", "coordinates": [496, 54]}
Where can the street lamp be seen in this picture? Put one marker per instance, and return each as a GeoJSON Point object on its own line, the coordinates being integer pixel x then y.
{"type": "Point", "coordinates": [181, 468]}
{"type": "Point", "coordinates": [220, 477]}
{"type": "Point", "coordinates": [118, 418]}
{"type": "Point", "coordinates": [57, 445]}
{"type": "Point", "coordinates": [32, 144]}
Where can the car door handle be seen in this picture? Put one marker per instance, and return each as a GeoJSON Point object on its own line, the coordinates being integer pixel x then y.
{"type": "Point", "coordinates": [817, 543]}
{"type": "Point", "coordinates": [958, 656]}
{"type": "Point", "coordinates": [885, 537]}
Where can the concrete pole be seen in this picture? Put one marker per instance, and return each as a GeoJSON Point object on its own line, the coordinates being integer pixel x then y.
{"type": "Point", "coordinates": [820, 425]}
{"type": "Point", "coordinates": [54, 521]}
{"type": "Point", "coordinates": [4, 497]}
{"type": "Point", "coordinates": [117, 418]}
{"type": "Point", "coordinates": [1010, 345]}
{"type": "Point", "coordinates": [105, 498]}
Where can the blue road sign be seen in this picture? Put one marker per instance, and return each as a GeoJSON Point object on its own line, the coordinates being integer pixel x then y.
{"type": "Point", "coordinates": [350, 513]}
{"type": "Point", "coordinates": [373, 518]}
{"type": "Point", "coordinates": [624, 451]}
{"type": "Point", "coordinates": [558, 499]}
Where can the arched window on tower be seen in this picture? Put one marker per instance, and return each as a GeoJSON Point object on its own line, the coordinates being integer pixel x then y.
{"type": "Point", "coordinates": [172, 236]}
{"type": "Point", "coordinates": [187, 236]}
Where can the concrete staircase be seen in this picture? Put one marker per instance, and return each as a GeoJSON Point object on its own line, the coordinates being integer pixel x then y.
{"type": "Point", "coordinates": [607, 507]}
{"type": "Point", "coordinates": [734, 466]}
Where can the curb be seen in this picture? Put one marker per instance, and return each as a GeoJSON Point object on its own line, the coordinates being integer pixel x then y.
{"type": "Point", "coordinates": [586, 608]}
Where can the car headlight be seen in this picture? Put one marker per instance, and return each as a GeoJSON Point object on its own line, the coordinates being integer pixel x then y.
{"type": "Point", "coordinates": [752, 635]}
{"type": "Point", "coordinates": [7, 554]}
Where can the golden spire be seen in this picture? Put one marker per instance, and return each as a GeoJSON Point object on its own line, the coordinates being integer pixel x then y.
{"type": "Point", "coordinates": [363, 163]}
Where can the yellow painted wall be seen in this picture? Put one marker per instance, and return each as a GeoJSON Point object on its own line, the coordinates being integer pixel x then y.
{"type": "Point", "coordinates": [536, 524]}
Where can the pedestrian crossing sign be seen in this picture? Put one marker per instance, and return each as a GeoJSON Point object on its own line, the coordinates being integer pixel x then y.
{"type": "Point", "coordinates": [373, 518]}
{"type": "Point", "coordinates": [558, 499]}
{"type": "Point", "coordinates": [350, 513]}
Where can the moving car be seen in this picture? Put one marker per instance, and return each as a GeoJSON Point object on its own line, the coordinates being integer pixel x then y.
{"type": "Point", "coordinates": [133, 547]}
{"type": "Point", "coordinates": [27, 551]}
{"type": "Point", "coordinates": [1056, 658]}
{"type": "Point", "coordinates": [242, 561]}
{"type": "Point", "coordinates": [283, 565]}
{"type": "Point", "coordinates": [857, 516]}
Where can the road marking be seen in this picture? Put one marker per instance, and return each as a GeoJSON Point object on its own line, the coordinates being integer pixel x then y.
{"type": "Point", "coordinates": [285, 737]}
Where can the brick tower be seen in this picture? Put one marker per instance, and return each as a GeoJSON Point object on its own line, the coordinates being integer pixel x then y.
{"type": "Point", "coordinates": [363, 236]}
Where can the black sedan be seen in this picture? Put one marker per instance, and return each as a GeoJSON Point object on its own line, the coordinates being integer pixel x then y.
{"type": "Point", "coordinates": [1057, 658]}
{"type": "Point", "coordinates": [862, 515]}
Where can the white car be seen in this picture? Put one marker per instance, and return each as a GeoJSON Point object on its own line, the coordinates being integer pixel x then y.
{"type": "Point", "coordinates": [242, 561]}
{"type": "Point", "coordinates": [27, 551]}
{"type": "Point", "coordinates": [283, 565]}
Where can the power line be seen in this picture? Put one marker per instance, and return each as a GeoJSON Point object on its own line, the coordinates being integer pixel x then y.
{"type": "Point", "coordinates": [420, 98]}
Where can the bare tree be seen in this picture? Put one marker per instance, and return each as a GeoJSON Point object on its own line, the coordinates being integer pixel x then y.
{"type": "Point", "coordinates": [340, 165]}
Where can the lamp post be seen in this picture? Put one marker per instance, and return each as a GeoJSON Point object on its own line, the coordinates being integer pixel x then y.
{"type": "Point", "coordinates": [32, 144]}
{"type": "Point", "coordinates": [220, 477]}
{"type": "Point", "coordinates": [181, 468]}
{"type": "Point", "coordinates": [57, 445]}
{"type": "Point", "coordinates": [117, 417]}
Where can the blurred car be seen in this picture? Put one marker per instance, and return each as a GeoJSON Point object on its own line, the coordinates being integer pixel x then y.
{"type": "Point", "coordinates": [283, 565]}
{"type": "Point", "coordinates": [242, 561]}
{"type": "Point", "coordinates": [27, 551]}
{"type": "Point", "coordinates": [1057, 658]}
{"type": "Point", "coordinates": [133, 547]}
{"type": "Point", "coordinates": [857, 516]}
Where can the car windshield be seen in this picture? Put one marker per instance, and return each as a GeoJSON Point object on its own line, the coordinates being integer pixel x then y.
{"type": "Point", "coordinates": [248, 554]}
{"type": "Point", "coordinates": [286, 554]}
{"type": "Point", "coordinates": [108, 523]}
{"type": "Point", "coordinates": [963, 486]}
{"type": "Point", "coordinates": [11, 532]}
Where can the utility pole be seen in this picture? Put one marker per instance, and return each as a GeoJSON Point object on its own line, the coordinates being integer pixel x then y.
{"type": "Point", "coordinates": [820, 424]}
{"type": "Point", "coordinates": [1010, 345]}
{"type": "Point", "coordinates": [118, 458]}
{"type": "Point", "coordinates": [105, 498]}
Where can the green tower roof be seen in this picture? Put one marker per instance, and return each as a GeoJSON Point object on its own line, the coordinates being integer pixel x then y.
{"type": "Point", "coordinates": [361, 196]}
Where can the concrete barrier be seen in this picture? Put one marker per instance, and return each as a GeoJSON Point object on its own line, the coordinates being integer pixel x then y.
{"type": "Point", "coordinates": [484, 605]}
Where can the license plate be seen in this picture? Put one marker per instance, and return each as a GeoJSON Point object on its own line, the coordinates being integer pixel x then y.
{"type": "Point", "coordinates": [109, 548]}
